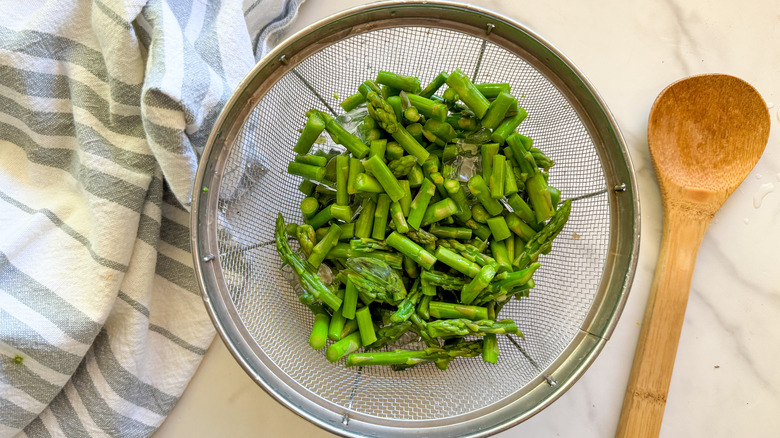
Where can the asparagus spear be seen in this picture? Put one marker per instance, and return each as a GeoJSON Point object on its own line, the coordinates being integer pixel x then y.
{"type": "Point", "coordinates": [457, 262]}
{"type": "Point", "coordinates": [478, 283]}
{"type": "Point", "coordinates": [468, 93]}
{"type": "Point", "coordinates": [420, 203]}
{"type": "Point", "coordinates": [434, 85]}
{"type": "Point", "coordinates": [457, 194]}
{"type": "Point", "coordinates": [319, 331]}
{"type": "Point", "coordinates": [311, 131]}
{"type": "Point", "coordinates": [402, 166]}
{"type": "Point", "coordinates": [445, 310]}
{"type": "Point", "coordinates": [402, 359]}
{"type": "Point", "coordinates": [464, 327]}
{"type": "Point", "coordinates": [307, 171]}
{"type": "Point", "coordinates": [345, 346]}
{"type": "Point", "coordinates": [402, 82]}
{"type": "Point", "coordinates": [480, 190]}
{"type": "Point", "coordinates": [389, 334]}
{"type": "Point", "coordinates": [322, 247]}
{"type": "Point", "coordinates": [442, 280]}
{"type": "Point", "coordinates": [307, 276]}
{"type": "Point", "coordinates": [410, 249]}
{"type": "Point", "coordinates": [351, 102]}
{"type": "Point", "coordinates": [544, 237]}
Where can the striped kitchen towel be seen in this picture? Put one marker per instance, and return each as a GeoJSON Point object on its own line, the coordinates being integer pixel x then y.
{"type": "Point", "coordinates": [105, 106]}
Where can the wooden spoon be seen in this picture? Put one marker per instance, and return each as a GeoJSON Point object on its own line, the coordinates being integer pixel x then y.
{"type": "Point", "coordinates": [706, 134]}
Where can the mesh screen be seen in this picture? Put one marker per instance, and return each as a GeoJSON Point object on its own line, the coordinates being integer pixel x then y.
{"type": "Point", "coordinates": [256, 187]}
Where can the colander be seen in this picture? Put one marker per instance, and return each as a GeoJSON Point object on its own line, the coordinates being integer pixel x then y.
{"type": "Point", "coordinates": [242, 185]}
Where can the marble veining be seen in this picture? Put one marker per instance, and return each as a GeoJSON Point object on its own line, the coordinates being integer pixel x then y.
{"type": "Point", "coordinates": [726, 381]}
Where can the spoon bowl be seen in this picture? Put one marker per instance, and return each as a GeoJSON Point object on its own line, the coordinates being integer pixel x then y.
{"type": "Point", "coordinates": [705, 134]}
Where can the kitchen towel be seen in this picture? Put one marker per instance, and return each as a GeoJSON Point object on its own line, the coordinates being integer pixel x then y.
{"type": "Point", "coordinates": [105, 107]}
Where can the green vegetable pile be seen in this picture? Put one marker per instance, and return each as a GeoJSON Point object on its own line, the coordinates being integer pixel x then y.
{"type": "Point", "coordinates": [429, 223]}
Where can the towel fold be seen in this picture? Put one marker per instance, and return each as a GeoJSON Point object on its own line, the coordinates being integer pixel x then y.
{"type": "Point", "coordinates": [105, 107]}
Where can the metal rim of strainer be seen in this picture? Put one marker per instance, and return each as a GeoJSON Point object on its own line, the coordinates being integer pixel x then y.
{"type": "Point", "coordinates": [621, 189]}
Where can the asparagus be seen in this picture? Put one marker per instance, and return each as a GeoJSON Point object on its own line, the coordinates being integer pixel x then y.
{"type": "Point", "coordinates": [367, 183]}
{"type": "Point", "coordinates": [440, 129]}
{"type": "Point", "coordinates": [489, 150]}
{"type": "Point", "coordinates": [468, 93]}
{"type": "Point", "coordinates": [457, 261]}
{"type": "Point", "coordinates": [510, 183]}
{"type": "Point", "coordinates": [522, 210]}
{"type": "Point", "coordinates": [355, 169]}
{"type": "Point", "coordinates": [306, 238]}
{"type": "Point", "coordinates": [442, 280]}
{"type": "Point", "coordinates": [314, 160]}
{"type": "Point", "coordinates": [430, 109]}
{"type": "Point", "coordinates": [423, 307]}
{"type": "Point", "coordinates": [309, 207]}
{"type": "Point", "coordinates": [389, 334]}
{"type": "Point", "coordinates": [434, 85]}
{"type": "Point", "coordinates": [341, 212]}
{"type": "Point", "coordinates": [469, 251]}
{"type": "Point", "coordinates": [465, 327]}
{"type": "Point", "coordinates": [351, 102]}
{"type": "Point", "coordinates": [365, 326]}
{"type": "Point", "coordinates": [336, 325]}
{"type": "Point", "coordinates": [438, 211]}
{"type": "Point", "coordinates": [500, 253]}
{"type": "Point", "coordinates": [408, 358]}
{"type": "Point", "coordinates": [307, 187]}
{"type": "Point", "coordinates": [409, 144]}
{"type": "Point", "coordinates": [393, 151]}
{"type": "Point", "coordinates": [523, 230]}
{"type": "Point", "coordinates": [490, 348]}
{"type": "Point", "coordinates": [410, 267]}
{"type": "Point", "coordinates": [322, 247]}
{"type": "Point", "coordinates": [451, 232]}
{"type": "Point", "coordinates": [319, 331]}
{"type": "Point", "coordinates": [415, 176]}
{"type": "Point", "coordinates": [420, 204]}
{"type": "Point", "coordinates": [380, 217]}
{"type": "Point", "coordinates": [320, 218]}
{"type": "Point", "coordinates": [311, 131]}
{"type": "Point", "coordinates": [479, 214]}
{"type": "Point", "coordinates": [343, 137]}
{"type": "Point", "coordinates": [497, 177]}
{"type": "Point", "coordinates": [307, 171]}
{"type": "Point", "coordinates": [345, 346]}
{"type": "Point", "coordinates": [406, 201]}
{"type": "Point", "coordinates": [342, 178]}
{"type": "Point", "coordinates": [410, 249]}
{"type": "Point", "coordinates": [458, 195]}
{"type": "Point", "coordinates": [382, 173]}
{"type": "Point", "coordinates": [365, 222]}
{"type": "Point", "coordinates": [544, 237]}
{"type": "Point", "coordinates": [377, 147]}
{"type": "Point", "coordinates": [407, 306]}
{"type": "Point", "coordinates": [307, 276]}
{"type": "Point", "coordinates": [399, 220]}
{"type": "Point", "coordinates": [378, 108]}
{"type": "Point", "coordinates": [480, 190]}
{"type": "Point", "coordinates": [497, 110]}
{"type": "Point", "coordinates": [478, 283]}
{"type": "Point", "coordinates": [402, 166]}
{"type": "Point", "coordinates": [402, 82]}
{"type": "Point", "coordinates": [508, 126]}
{"type": "Point", "coordinates": [349, 303]}
{"type": "Point", "coordinates": [493, 90]}
{"type": "Point", "coordinates": [499, 228]}
{"type": "Point", "coordinates": [445, 310]}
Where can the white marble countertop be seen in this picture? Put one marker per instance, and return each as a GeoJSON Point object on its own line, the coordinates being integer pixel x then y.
{"type": "Point", "coordinates": [726, 381]}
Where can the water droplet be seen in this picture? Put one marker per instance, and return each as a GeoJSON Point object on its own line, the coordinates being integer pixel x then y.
{"type": "Point", "coordinates": [759, 176]}
{"type": "Point", "coordinates": [770, 105]}
{"type": "Point", "coordinates": [778, 113]}
{"type": "Point", "coordinates": [746, 220]}
{"type": "Point", "coordinates": [777, 176]}
{"type": "Point", "coordinates": [759, 196]}
{"type": "Point", "coordinates": [715, 220]}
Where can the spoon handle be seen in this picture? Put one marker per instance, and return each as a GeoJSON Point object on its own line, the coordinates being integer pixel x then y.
{"type": "Point", "coordinates": [651, 373]}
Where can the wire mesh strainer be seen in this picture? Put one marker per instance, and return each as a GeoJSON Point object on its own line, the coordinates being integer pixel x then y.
{"type": "Point", "coordinates": [242, 184]}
